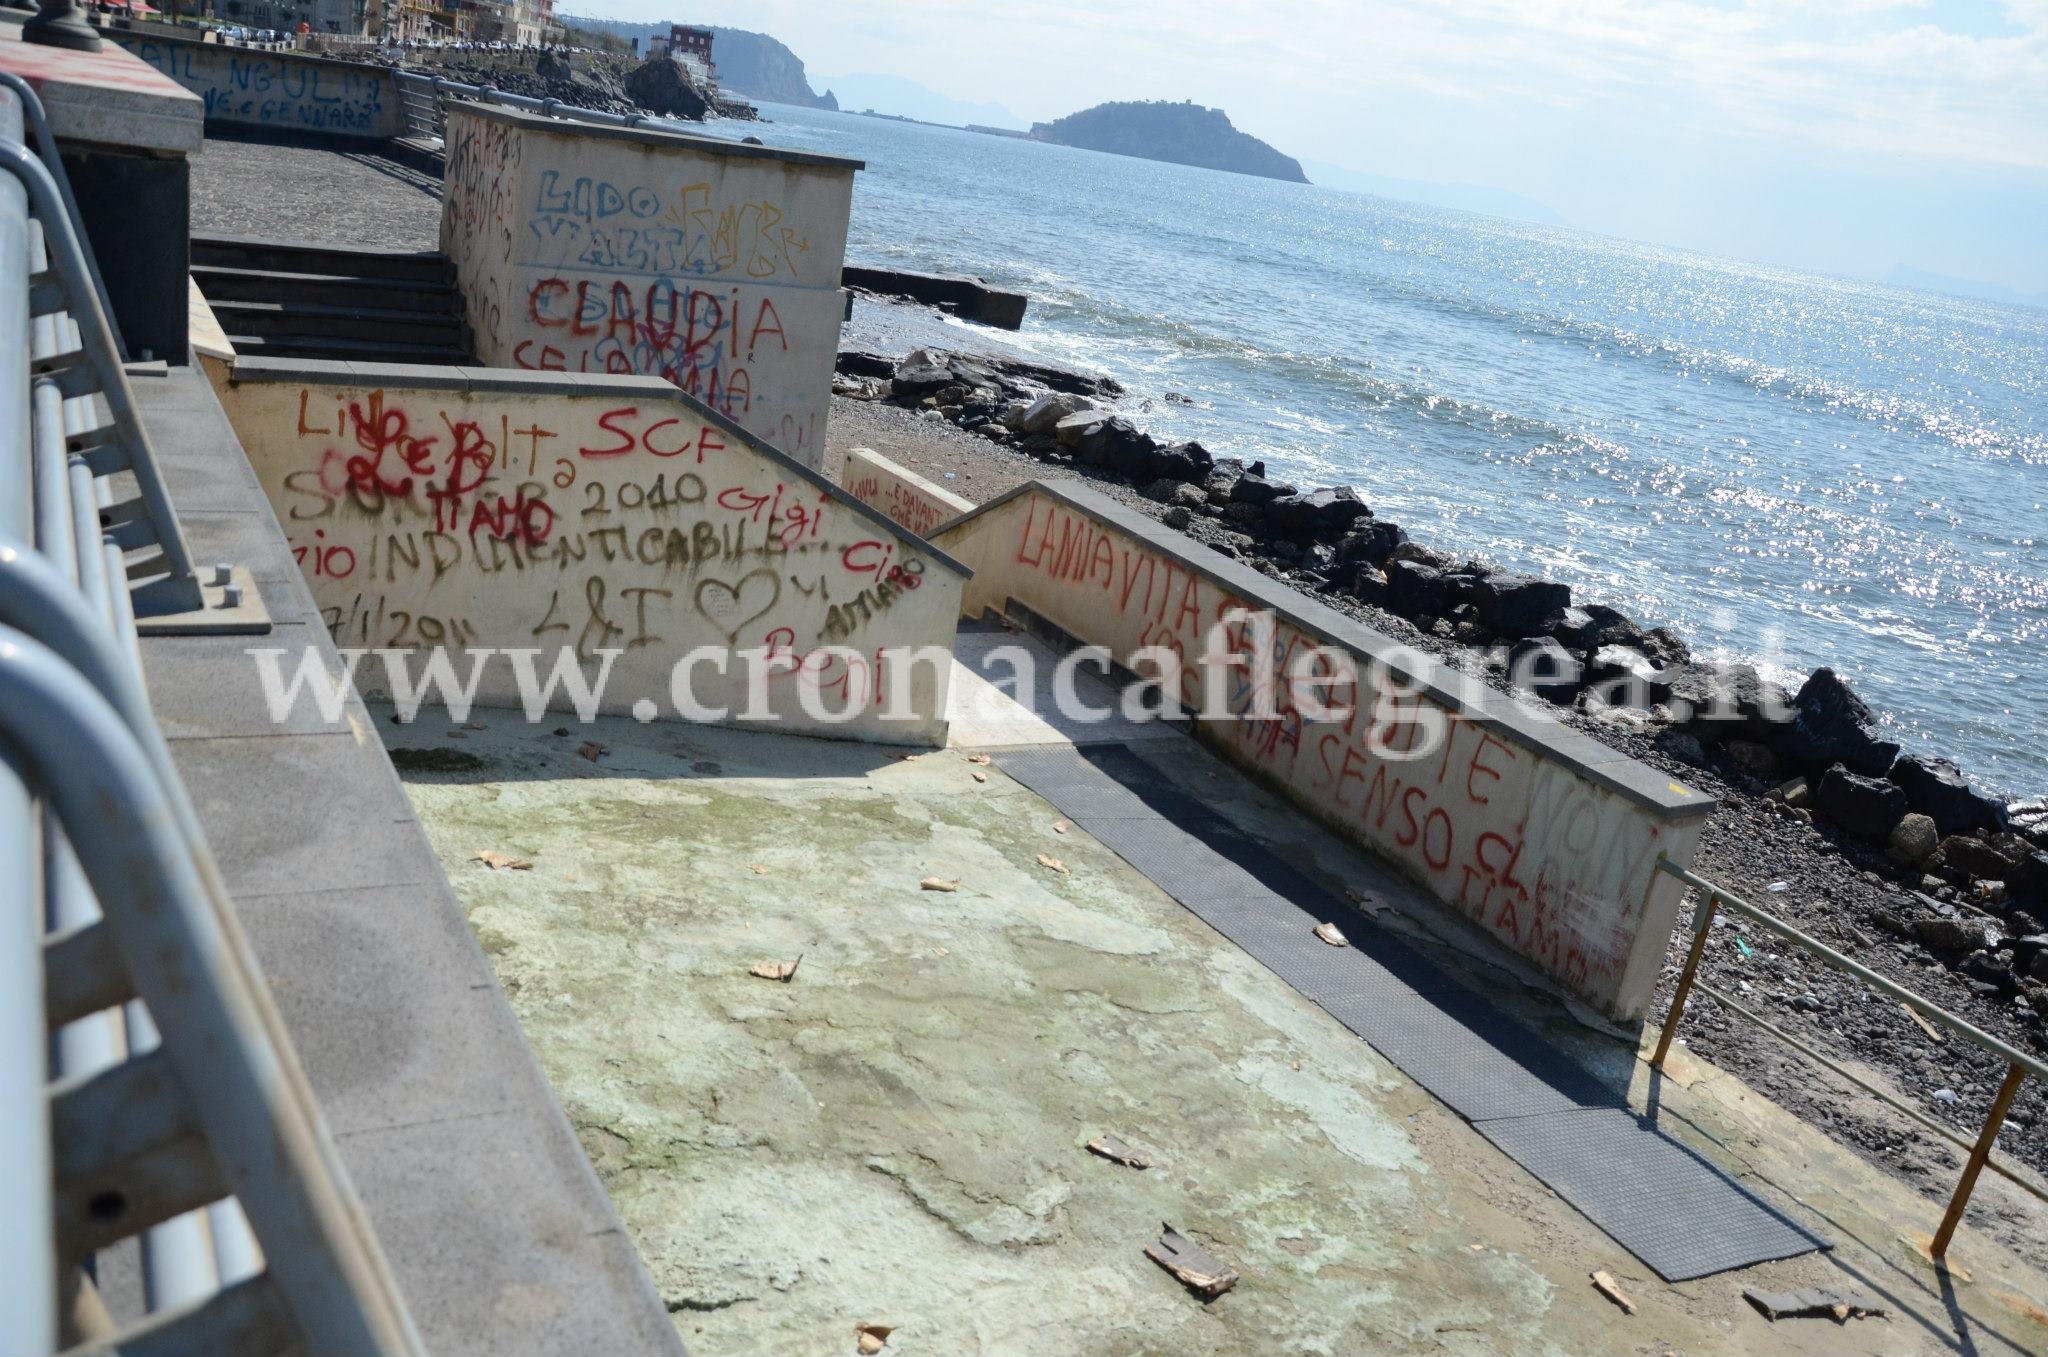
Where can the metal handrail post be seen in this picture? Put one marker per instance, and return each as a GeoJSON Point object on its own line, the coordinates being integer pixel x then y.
{"type": "Point", "coordinates": [179, 591]}
{"type": "Point", "coordinates": [73, 746]}
{"type": "Point", "coordinates": [1993, 1121]}
{"type": "Point", "coordinates": [46, 147]}
{"type": "Point", "coordinates": [28, 1262]}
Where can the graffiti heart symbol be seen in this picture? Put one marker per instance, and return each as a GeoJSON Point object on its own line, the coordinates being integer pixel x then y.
{"type": "Point", "coordinates": [732, 606]}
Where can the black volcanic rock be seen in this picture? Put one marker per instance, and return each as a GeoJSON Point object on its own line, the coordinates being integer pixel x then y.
{"type": "Point", "coordinates": [1183, 134]}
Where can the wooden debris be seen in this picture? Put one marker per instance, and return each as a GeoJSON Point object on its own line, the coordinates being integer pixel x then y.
{"type": "Point", "coordinates": [870, 1339]}
{"type": "Point", "coordinates": [1332, 934]}
{"type": "Point", "coordinates": [1116, 1152]}
{"type": "Point", "coordinates": [938, 883]}
{"type": "Point", "coordinates": [1200, 1272]}
{"type": "Point", "coordinates": [1812, 1303]}
{"type": "Point", "coordinates": [1054, 863]}
{"type": "Point", "coordinates": [505, 860]}
{"type": "Point", "coordinates": [1929, 1028]}
{"type": "Point", "coordinates": [1607, 1287]}
{"type": "Point", "coordinates": [785, 971]}
{"type": "Point", "coordinates": [592, 750]}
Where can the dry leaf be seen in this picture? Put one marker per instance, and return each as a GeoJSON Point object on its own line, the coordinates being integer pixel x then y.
{"type": "Point", "coordinates": [496, 860]}
{"type": "Point", "coordinates": [457, 735]}
{"type": "Point", "coordinates": [871, 1338]}
{"type": "Point", "coordinates": [785, 971]}
{"type": "Point", "coordinates": [1929, 1028]}
{"type": "Point", "coordinates": [1605, 1285]}
{"type": "Point", "coordinates": [1332, 934]}
{"type": "Point", "coordinates": [1116, 1152]}
{"type": "Point", "coordinates": [980, 776]}
{"type": "Point", "coordinates": [1053, 863]}
{"type": "Point", "coordinates": [592, 750]}
{"type": "Point", "coordinates": [474, 725]}
{"type": "Point", "coordinates": [977, 758]}
{"type": "Point", "coordinates": [759, 870]}
{"type": "Point", "coordinates": [1059, 826]}
{"type": "Point", "coordinates": [938, 883]}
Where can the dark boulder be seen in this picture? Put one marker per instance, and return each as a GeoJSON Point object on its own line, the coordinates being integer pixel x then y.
{"type": "Point", "coordinates": [1952, 937]}
{"type": "Point", "coordinates": [1415, 589]}
{"type": "Point", "coordinates": [1574, 629]}
{"type": "Point", "coordinates": [1541, 666]}
{"type": "Point", "coordinates": [1189, 462]}
{"type": "Point", "coordinates": [1982, 965]}
{"type": "Point", "coordinates": [1619, 676]}
{"type": "Point", "coordinates": [1724, 701]}
{"type": "Point", "coordinates": [922, 373]}
{"type": "Point", "coordinates": [1616, 628]}
{"type": "Point", "coordinates": [1113, 444]}
{"type": "Point", "coordinates": [662, 86]}
{"type": "Point", "coordinates": [1866, 807]}
{"type": "Point", "coordinates": [1964, 857]}
{"type": "Point", "coordinates": [2027, 886]}
{"type": "Point", "coordinates": [1371, 541]}
{"type": "Point", "coordinates": [1319, 515]}
{"type": "Point", "coordinates": [1518, 605]}
{"type": "Point", "coordinates": [1937, 788]}
{"type": "Point", "coordinates": [1254, 488]}
{"type": "Point", "coordinates": [1665, 646]}
{"type": "Point", "coordinates": [1830, 724]}
{"type": "Point", "coordinates": [856, 363]}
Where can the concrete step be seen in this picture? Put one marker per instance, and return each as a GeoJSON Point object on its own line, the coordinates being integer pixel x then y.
{"type": "Point", "coordinates": [226, 284]}
{"type": "Point", "coordinates": [283, 256]}
{"type": "Point", "coordinates": [349, 350]}
{"type": "Point", "coordinates": [288, 319]}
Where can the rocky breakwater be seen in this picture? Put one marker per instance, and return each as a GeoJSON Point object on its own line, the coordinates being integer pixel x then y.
{"type": "Point", "coordinates": [1973, 864]}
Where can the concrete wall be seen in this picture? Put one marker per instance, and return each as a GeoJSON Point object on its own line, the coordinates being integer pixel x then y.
{"type": "Point", "coordinates": [470, 509]}
{"type": "Point", "coordinates": [708, 263]}
{"type": "Point", "coordinates": [279, 91]}
{"type": "Point", "coordinates": [908, 498]}
{"type": "Point", "coordinates": [1539, 835]}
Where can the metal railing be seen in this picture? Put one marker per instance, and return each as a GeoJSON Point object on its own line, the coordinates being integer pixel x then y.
{"type": "Point", "coordinates": [147, 1088]}
{"type": "Point", "coordinates": [423, 98]}
{"type": "Point", "coordinates": [2019, 1064]}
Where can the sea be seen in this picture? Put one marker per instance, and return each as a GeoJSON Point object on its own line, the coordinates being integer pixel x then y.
{"type": "Point", "coordinates": [1791, 469]}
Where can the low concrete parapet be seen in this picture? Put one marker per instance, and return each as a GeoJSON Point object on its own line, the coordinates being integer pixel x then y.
{"type": "Point", "coordinates": [906, 497]}
{"type": "Point", "coordinates": [283, 92]}
{"type": "Point", "coordinates": [471, 510]}
{"type": "Point", "coordinates": [1538, 834]}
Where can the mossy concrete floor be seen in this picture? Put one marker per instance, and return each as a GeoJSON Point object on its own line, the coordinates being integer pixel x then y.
{"type": "Point", "coordinates": [896, 1136]}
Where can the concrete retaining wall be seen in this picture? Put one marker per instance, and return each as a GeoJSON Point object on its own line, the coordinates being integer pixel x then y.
{"type": "Point", "coordinates": [469, 509]}
{"type": "Point", "coordinates": [908, 498]}
{"type": "Point", "coordinates": [709, 263]}
{"type": "Point", "coordinates": [278, 91]}
{"type": "Point", "coordinates": [1541, 836]}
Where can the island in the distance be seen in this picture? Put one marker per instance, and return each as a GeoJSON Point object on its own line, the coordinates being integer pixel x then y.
{"type": "Point", "coordinates": [1185, 134]}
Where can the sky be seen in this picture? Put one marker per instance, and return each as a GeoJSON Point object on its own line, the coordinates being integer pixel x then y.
{"type": "Point", "coordinates": [1855, 137]}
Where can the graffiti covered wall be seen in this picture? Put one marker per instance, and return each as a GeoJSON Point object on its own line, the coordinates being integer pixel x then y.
{"type": "Point", "coordinates": [594, 514]}
{"type": "Point", "coordinates": [710, 264]}
{"type": "Point", "coordinates": [1533, 832]}
{"type": "Point", "coordinates": [283, 91]}
{"type": "Point", "coordinates": [908, 498]}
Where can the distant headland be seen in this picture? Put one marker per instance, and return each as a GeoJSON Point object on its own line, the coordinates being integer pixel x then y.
{"type": "Point", "coordinates": [1184, 134]}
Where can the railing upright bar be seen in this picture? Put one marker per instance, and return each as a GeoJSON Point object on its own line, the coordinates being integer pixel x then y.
{"type": "Point", "coordinates": [28, 1268]}
{"type": "Point", "coordinates": [46, 147]}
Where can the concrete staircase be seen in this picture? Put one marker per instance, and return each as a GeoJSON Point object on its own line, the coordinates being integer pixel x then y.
{"type": "Point", "coordinates": [282, 300]}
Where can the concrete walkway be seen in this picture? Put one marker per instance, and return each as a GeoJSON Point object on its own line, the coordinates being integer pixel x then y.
{"type": "Point", "coordinates": [897, 1135]}
{"type": "Point", "coordinates": [499, 1235]}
